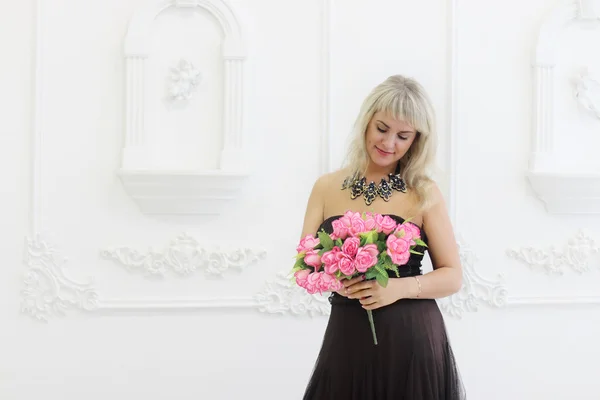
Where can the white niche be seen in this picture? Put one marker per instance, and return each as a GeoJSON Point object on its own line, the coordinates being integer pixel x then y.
{"type": "Point", "coordinates": [183, 149]}
{"type": "Point", "coordinates": [564, 167]}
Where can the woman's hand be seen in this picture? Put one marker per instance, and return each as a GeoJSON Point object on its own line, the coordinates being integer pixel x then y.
{"type": "Point", "coordinates": [349, 282]}
{"type": "Point", "coordinates": [372, 295]}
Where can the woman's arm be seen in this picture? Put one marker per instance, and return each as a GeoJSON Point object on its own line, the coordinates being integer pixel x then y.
{"type": "Point", "coordinates": [313, 216]}
{"type": "Point", "coordinates": [446, 277]}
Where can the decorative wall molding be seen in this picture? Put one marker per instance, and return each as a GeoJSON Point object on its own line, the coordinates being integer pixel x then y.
{"type": "Point", "coordinates": [588, 10]}
{"type": "Point", "coordinates": [183, 256]}
{"type": "Point", "coordinates": [325, 57]}
{"type": "Point", "coordinates": [182, 192]}
{"type": "Point", "coordinates": [587, 92]}
{"type": "Point", "coordinates": [476, 290]}
{"type": "Point", "coordinates": [281, 296]}
{"type": "Point", "coordinates": [157, 306]}
{"type": "Point", "coordinates": [551, 183]}
{"type": "Point", "coordinates": [48, 291]}
{"type": "Point", "coordinates": [186, 191]}
{"type": "Point", "coordinates": [574, 255]}
{"type": "Point", "coordinates": [554, 301]}
{"type": "Point", "coordinates": [183, 80]}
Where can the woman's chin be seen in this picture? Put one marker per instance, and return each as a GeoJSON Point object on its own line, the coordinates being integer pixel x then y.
{"type": "Point", "coordinates": [380, 158]}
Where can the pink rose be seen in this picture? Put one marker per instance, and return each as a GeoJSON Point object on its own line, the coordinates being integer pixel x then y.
{"type": "Point", "coordinates": [313, 259]}
{"type": "Point", "coordinates": [346, 265]}
{"type": "Point", "coordinates": [340, 231]}
{"type": "Point", "coordinates": [366, 257]}
{"type": "Point", "coordinates": [328, 282]}
{"type": "Point", "coordinates": [307, 243]}
{"type": "Point", "coordinates": [398, 249]}
{"type": "Point", "coordinates": [386, 224]}
{"type": "Point", "coordinates": [358, 227]}
{"type": "Point", "coordinates": [330, 259]}
{"type": "Point", "coordinates": [336, 285]}
{"type": "Point", "coordinates": [313, 283]}
{"type": "Point", "coordinates": [301, 277]}
{"type": "Point", "coordinates": [370, 223]}
{"type": "Point", "coordinates": [350, 246]}
{"type": "Point", "coordinates": [342, 227]}
{"type": "Point", "coordinates": [409, 232]}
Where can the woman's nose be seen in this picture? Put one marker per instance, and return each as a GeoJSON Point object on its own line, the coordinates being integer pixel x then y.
{"type": "Point", "coordinates": [388, 141]}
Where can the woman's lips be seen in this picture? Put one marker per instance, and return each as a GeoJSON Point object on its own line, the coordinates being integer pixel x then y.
{"type": "Point", "coordinates": [383, 153]}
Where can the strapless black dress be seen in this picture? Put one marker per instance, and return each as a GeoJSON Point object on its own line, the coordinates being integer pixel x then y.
{"type": "Point", "coordinates": [412, 361]}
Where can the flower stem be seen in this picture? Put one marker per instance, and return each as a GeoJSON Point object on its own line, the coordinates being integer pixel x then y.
{"type": "Point", "coordinates": [372, 323]}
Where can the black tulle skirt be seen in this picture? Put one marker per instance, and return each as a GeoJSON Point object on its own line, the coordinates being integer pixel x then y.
{"type": "Point", "coordinates": [412, 361]}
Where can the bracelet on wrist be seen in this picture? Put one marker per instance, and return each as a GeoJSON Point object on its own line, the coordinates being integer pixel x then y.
{"type": "Point", "coordinates": [419, 285]}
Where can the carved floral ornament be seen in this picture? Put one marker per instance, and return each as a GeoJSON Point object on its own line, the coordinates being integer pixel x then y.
{"type": "Point", "coordinates": [587, 92]}
{"type": "Point", "coordinates": [184, 256]}
{"type": "Point", "coordinates": [183, 80]}
{"type": "Point", "coordinates": [575, 255]}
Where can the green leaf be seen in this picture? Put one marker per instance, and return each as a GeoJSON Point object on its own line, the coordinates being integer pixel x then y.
{"type": "Point", "coordinates": [300, 263]}
{"type": "Point", "coordinates": [415, 252]}
{"type": "Point", "coordinates": [394, 268]}
{"type": "Point", "coordinates": [382, 279]}
{"type": "Point", "coordinates": [387, 258]}
{"type": "Point", "coordinates": [386, 263]}
{"type": "Point", "coordinates": [339, 242]}
{"type": "Point", "coordinates": [380, 273]}
{"type": "Point", "coordinates": [299, 266]}
{"type": "Point", "coordinates": [325, 240]}
{"type": "Point", "coordinates": [420, 242]}
{"type": "Point", "coordinates": [371, 273]}
{"type": "Point", "coordinates": [371, 237]}
{"type": "Point", "coordinates": [380, 269]}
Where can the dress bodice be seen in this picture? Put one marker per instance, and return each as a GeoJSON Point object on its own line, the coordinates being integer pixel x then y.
{"type": "Point", "coordinates": [411, 268]}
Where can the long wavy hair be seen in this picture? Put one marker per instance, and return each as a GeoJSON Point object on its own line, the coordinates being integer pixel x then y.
{"type": "Point", "coordinates": [403, 99]}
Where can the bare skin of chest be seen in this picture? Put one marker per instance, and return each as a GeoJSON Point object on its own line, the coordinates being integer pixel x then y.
{"type": "Point", "coordinates": [338, 201]}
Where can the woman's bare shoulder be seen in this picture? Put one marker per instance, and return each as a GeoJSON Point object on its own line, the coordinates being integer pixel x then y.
{"type": "Point", "coordinates": [330, 179]}
{"type": "Point", "coordinates": [317, 200]}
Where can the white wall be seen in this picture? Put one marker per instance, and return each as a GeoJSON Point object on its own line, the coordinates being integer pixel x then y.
{"type": "Point", "coordinates": [519, 331]}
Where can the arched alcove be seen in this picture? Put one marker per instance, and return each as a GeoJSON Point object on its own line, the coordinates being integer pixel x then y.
{"type": "Point", "coordinates": [563, 173]}
{"type": "Point", "coordinates": [170, 165]}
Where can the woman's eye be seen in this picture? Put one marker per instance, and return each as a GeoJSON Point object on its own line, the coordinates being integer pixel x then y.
{"type": "Point", "coordinates": [381, 130]}
{"type": "Point", "coordinates": [402, 137]}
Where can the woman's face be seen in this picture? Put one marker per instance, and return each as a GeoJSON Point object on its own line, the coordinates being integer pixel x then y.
{"type": "Point", "coordinates": [388, 140]}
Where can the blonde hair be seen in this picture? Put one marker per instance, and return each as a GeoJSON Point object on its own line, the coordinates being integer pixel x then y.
{"type": "Point", "coordinates": [403, 99]}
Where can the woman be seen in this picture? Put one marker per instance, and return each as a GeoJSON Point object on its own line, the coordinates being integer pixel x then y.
{"type": "Point", "coordinates": [393, 146]}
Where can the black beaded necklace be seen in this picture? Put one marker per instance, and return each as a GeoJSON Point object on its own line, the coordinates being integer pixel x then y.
{"type": "Point", "coordinates": [358, 186]}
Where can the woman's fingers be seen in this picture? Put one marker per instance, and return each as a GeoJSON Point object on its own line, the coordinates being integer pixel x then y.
{"type": "Point", "coordinates": [349, 282]}
{"type": "Point", "coordinates": [357, 287]}
{"type": "Point", "coordinates": [368, 292]}
{"type": "Point", "coordinates": [367, 301]}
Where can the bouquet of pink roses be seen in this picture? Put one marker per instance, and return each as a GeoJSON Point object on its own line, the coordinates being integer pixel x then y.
{"type": "Point", "coordinates": [367, 243]}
